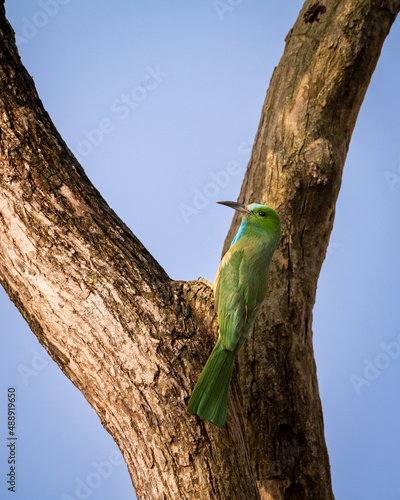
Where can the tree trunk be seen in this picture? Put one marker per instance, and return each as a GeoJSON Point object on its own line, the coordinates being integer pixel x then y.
{"type": "Point", "coordinates": [133, 341]}
{"type": "Point", "coordinates": [296, 166]}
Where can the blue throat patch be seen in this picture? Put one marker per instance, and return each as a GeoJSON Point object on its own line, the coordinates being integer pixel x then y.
{"type": "Point", "coordinates": [239, 233]}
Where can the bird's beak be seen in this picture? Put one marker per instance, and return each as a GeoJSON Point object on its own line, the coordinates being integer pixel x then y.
{"type": "Point", "coordinates": [237, 206]}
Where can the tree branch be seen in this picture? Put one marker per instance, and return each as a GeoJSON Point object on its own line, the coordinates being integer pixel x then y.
{"type": "Point", "coordinates": [130, 339]}
{"type": "Point", "coordinates": [296, 166]}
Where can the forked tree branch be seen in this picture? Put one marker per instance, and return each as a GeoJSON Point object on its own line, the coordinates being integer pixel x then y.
{"type": "Point", "coordinates": [132, 340]}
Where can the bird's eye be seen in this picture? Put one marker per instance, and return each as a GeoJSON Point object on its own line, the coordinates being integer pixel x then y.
{"type": "Point", "coordinates": [261, 213]}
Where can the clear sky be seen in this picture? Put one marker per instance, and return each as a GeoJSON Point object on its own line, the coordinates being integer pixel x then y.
{"type": "Point", "coordinates": [157, 99]}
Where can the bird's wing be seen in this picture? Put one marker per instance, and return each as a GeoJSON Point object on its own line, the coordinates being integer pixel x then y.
{"type": "Point", "coordinates": [229, 299]}
{"type": "Point", "coordinates": [222, 264]}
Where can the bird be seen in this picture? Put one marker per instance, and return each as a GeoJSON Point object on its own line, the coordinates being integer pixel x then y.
{"type": "Point", "coordinates": [239, 289]}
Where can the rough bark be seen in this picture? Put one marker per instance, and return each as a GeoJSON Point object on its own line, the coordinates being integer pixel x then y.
{"type": "Point", "coordinates": [127, 336]}
{"type": "Point", "coordinates": [132, 340]}
{"type": "Point", "coordinates": [296, 166]}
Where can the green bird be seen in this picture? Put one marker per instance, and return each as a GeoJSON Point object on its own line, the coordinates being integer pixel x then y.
{"type": "Point", "coordinates": [239, 289]}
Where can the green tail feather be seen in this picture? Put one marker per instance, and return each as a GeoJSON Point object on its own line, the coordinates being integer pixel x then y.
{"type": "Point", "coordinates": [210, 396]}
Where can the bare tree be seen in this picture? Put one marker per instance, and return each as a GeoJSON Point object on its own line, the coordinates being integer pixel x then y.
{"type": "Point", "coordinates": [134, 341]}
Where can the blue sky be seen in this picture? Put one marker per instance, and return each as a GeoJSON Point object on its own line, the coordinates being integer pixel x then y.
{"type": "Point", "coordinates": [184, 142]}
